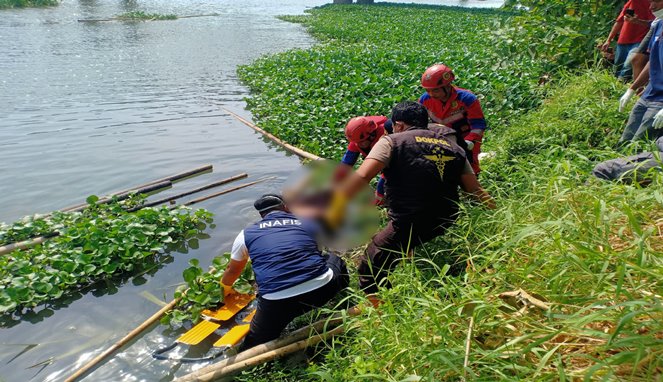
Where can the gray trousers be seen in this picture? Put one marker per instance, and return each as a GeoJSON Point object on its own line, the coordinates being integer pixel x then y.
{"type": "Point", "coordinates": [639, 125]}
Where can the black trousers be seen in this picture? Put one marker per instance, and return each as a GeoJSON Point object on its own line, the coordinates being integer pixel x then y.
{"type": "Point", "coordinates": [272, 316]}
{"type": "Point", "coordinates": [388, 246]}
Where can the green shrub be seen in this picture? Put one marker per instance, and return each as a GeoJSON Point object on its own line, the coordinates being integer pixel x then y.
{"type": "Point", "coordinates": [27, 3]}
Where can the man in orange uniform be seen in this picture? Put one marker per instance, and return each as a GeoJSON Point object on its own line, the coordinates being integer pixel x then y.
{"type": "Point", "coordinates": [454, 107]}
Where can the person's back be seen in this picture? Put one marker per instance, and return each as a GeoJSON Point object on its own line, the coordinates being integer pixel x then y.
{"type": "Point", "coordinates": [293, 276]}
{"type": "Point", "coordinates": [283, 251]}
{"type": "Point", "coordinates": [424, 173]}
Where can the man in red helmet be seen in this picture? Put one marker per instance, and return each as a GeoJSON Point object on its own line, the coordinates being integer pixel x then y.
{"type": "Point", "coordinates": [363, 133]}
{"type": "Point", "coordinates": [425, 169]}
{"type": "Point", "coordinates": [454, 107]}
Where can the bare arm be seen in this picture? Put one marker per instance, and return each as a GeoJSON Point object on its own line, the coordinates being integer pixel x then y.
{"type": "Point", "coordinates": [233, 271]}
{"type": "Point", "coordinates": [470, 184]}
{"type": "Point", "coordinates": [616, 27]}
{"type": "Point", "coordinates": [642, 79]}
{"type": "Point", "coordinates": [360, 178]}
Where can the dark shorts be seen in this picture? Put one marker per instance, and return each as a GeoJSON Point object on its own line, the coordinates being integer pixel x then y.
{"type": "Point", "coordinates": [272, 316]}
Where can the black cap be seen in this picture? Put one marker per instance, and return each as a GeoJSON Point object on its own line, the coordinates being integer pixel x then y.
{"type": "Point", "coordinates": [268, 202]}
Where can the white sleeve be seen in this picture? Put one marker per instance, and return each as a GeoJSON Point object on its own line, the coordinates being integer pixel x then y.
{"type": "Point", "coordinates": [239, 251]}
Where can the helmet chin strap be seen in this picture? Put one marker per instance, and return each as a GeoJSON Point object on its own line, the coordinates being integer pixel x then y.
{"type": "Point", "coordinates": [447, 93]}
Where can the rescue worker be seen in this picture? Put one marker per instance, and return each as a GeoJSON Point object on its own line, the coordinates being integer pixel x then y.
{"type": "Point", "coordinates": [292, 274]}
{"type": "Point", "coordinates": [362, 134]}
{"type": "Point", "coordinates": [646, 118]}
{"type": "Point", "coordinates": [424, 168]}
{"type": "Point", "coordinates": [454, 107]}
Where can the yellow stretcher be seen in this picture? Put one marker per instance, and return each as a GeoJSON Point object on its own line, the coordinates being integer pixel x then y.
{"type": "Point", "coordinates": [212, 320]}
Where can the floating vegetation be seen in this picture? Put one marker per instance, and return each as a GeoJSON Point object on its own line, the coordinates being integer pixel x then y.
{"type": "Point", "coordinates": [563, 280]}
{"type": "Point", "coordinates": [142, 16]}
{"type": "Point", "coordinates": [203, 289]}
{"type": "Point", "coordinates": [101, 241]}
{"type": "Point", "coordinates": [27, 3]}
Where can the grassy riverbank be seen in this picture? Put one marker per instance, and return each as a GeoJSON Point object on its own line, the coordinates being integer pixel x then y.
{"type": "Point", "coordinates": [589, 249]}
{"type": "Point", "coordinates": [4, 4]}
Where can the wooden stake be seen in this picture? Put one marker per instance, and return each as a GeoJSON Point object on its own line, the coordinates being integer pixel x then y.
{"type": "Point", "coordinates": [270, 355]}
{"type": "Point", "coordinates": [468, 341]}
{"type": "Point", "coordinates": [295, 150]}
{"type": "Point", "coordinates": [199, 189]}
{"type": "Point", "coordinates": [172, 178]}
{"type": "Point", "coordinates": [257, 351]}
{"type": "Point", "coordinates": [121, 342]}
{"type": "Point", "coordinates": [5, 249]}
{"type": "Point", "coordinates": [203, 198]}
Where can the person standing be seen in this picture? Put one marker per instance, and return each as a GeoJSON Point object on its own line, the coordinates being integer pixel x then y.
{"type": "Point", "coordinates": [454, 107]}
{"type": "Point", "coordinates": [646, 118]}
{"type": "Point", "coordinates": [292, 274]}
{"type": "Point", "coordinates": [631, 25]}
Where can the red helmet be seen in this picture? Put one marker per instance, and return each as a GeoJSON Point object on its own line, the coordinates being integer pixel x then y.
{"type": "Point", "coordinates": [359, 128]}
{"type": "Point", "coordinates": [437, 76]}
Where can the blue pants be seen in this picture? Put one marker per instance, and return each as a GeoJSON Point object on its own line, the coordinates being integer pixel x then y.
{"type": "Point", "coordinates": [639, 125]}
{"type": "Point", "coordinates": [622, 51]}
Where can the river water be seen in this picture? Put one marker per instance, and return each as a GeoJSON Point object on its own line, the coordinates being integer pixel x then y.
{"type": "Point", "coordinates": [92, 108]}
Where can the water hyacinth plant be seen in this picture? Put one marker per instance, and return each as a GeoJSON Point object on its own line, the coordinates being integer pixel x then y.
{"type": "Point", "coordinates": [102, 241]}
{"type": "Point", "coordinates": [563, 280]}
{"type": "Point", "coordinates": [27, 3]}
{"type": "Point", "coordinates": [203, 289]}
{"type": "Point", "coordinates": [143, 16]}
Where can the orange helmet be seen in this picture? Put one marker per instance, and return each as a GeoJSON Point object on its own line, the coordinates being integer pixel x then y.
{"type": "Point", "coordinates": [437, 76]}
{"type": "Point", "coordinates": [359, 128]}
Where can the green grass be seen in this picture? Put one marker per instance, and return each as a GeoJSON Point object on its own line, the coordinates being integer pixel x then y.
{"type": "Point", "coordinates": [590, 249]}
{"type": "Point", "coordinates": [27, 3]}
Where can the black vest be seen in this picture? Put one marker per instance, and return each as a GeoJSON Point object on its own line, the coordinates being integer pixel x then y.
{"type": "Point", "coordinates": [424, 174]}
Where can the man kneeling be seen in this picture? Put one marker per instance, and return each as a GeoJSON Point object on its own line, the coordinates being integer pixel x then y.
{"type": "Point", "coordinates": [293, 275]}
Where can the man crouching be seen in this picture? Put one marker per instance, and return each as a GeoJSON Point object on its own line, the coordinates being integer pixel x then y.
{"type": "Point", "coordinates": [292, 274]}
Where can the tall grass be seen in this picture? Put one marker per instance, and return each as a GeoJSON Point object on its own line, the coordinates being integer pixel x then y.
{"type": "Point", "coordinates": [590, 249]}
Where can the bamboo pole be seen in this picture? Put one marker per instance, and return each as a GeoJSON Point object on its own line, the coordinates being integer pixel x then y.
{"type": "Point", "coordinates": [125, 19]}
{"type": "Point", "coordinates": [88, 366]}
{"type": "Point", "coordinates": [199, 189]}
{"type": "Point", "coordinates": [40, 239]}
{"type": "Point", "coordinates": [295, 150]}
{"type": "Point", "coordinates": [124, 195]}
{"type": "Point", "coordinates": [203, 198]}
{"type": "Point", "coordinates": [268, 356]}
{"type": "Point", "coordinates": [279, 343]}
{"type": "Point", "coordinates": [5, 249]}
{"type": "Point", "coordinates": [172, 178]}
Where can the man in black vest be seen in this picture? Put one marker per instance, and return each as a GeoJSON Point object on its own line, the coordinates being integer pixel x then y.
{"type": "Point", "coordinates": [424, 167]}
